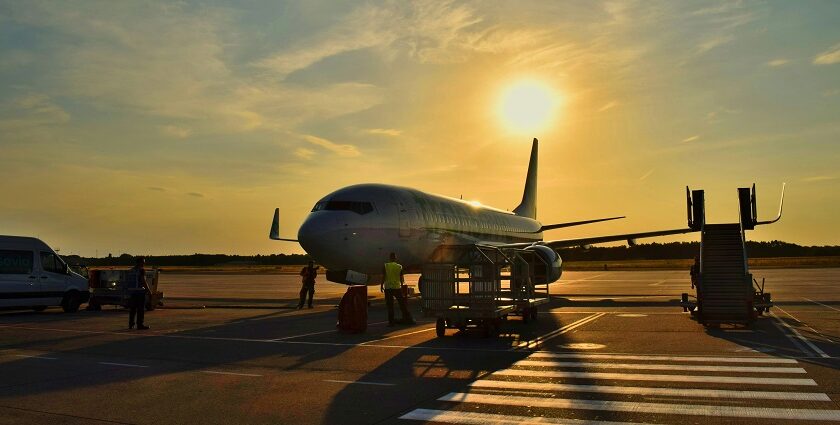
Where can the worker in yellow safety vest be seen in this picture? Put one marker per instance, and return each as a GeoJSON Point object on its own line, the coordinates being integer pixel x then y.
{"type": "Point", "coordinates": [392, 281]}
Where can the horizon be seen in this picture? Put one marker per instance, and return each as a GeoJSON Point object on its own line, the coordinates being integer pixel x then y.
{"type": "Point", "coordinates": [180, 127]}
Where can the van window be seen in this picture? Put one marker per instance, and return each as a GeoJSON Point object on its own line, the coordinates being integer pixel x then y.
{"type": "Point", "coordinates": [51, 263]}
{"type": "Point", "coordinates": [15, 262]}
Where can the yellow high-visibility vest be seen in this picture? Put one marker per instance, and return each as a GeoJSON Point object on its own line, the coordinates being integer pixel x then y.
{"type": "Point", "coordinates": [392, 275]}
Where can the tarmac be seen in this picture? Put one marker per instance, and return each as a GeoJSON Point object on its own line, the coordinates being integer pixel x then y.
{"type": "Point", "coordinates": [611, 347]}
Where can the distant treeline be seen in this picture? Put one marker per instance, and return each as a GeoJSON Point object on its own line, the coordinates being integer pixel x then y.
{"type": "Point", "coordinates": [678, 250]}
{"type": "Point", "coordinates": [652, 251]}
{"type": "Point", "coordinates": [204, 260]}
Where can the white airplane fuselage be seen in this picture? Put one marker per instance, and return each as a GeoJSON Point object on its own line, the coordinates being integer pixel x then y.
{"type": "Point", "coordinates": [357, 227]}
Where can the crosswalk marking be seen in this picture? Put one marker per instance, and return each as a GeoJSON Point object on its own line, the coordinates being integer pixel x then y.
{"type": "Point", "coordinates": [674, 392]}
{"type": "Point", "coordinates": [544, 354]}
{"type": "Point", "coordinates": [475, 418]}
{"type": "Point", "coordinates": [703, 368]}
{"type": "Point", "coordinates": [656, 377]}
{"type": "Point", "coordinates": [640, 407]}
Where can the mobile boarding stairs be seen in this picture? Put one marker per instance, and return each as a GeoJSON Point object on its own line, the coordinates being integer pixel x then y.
{"type": "Point", "coordinates": [726, 291]}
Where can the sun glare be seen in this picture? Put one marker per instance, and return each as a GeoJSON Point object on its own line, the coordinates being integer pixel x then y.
{"type": "Point", "coordinates": [527, 106]}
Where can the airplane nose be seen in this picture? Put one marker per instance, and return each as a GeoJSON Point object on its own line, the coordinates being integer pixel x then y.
{"type": "Point", "coordinates": [312, 235]}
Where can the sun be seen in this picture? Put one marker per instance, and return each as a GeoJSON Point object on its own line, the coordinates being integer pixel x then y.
{"type": "Point", "coordinates": [528, 106]}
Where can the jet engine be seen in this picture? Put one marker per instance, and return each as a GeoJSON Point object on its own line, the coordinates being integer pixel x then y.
{"type": "Point", "coordinates": [553, 260]}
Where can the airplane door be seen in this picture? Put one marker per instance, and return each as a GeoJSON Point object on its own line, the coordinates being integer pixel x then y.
{"type": "Point", "coordinates": [18, 282]}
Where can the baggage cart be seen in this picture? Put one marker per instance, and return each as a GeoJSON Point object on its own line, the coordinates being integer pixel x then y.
{"type": "Point", "coordinates": [479, 286]}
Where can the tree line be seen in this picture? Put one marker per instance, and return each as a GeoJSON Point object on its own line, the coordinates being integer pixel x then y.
{"type": "Point", "coordinates": [651, 251]}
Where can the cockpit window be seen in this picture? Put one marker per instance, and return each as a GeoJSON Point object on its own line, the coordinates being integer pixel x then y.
{"type": "Point", "coordinates": [356, 207]}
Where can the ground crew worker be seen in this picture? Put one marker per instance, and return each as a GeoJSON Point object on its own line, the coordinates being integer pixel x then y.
{"type": "Point", "coordinates": [392, 281]}
{"type": "Point", "coordinates": [307, 280]}
{"type": "Point", "coordinates": [695, 272]}
{"type": "Point", "coordinates": [137, 290]}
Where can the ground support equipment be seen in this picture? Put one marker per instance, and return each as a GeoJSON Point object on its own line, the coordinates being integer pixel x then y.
{"type": "Point", "coordinates": [478, 286]}
{"type": "Point", "coordinates": [110, 287]}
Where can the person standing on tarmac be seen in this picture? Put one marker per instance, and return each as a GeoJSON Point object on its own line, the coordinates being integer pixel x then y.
{"type": "Point", "coordinates": [137, 290]}
{"type": "Point", "coordinates": [392, 281]}
{"type": "Point", "coordinates": [307, 280]}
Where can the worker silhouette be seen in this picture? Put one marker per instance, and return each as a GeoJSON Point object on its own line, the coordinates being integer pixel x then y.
{"type": "Point", "coordinates": [392, 281]}
{"type": "Point", "coordinates": [137, 290]}
{"type": "Point", "coordinates": [307, 280]}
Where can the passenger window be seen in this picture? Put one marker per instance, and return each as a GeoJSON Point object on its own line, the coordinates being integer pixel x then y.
{"type": "Point", "coordinates": [15, 262]}
{"type": "Point", "coordinates": [51, 263]}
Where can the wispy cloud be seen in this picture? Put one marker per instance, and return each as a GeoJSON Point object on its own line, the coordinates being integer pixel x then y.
{"type": "Point", "coordinates": [304, 153]}
{"type": "Point", "coordinates": [385, 132]}
{"type": "Point", "coordinates": [713, 43]}
{"type": "Point", "coordinates": [196, 194]}
{"type": "Point", "coordinates": [609, 105]}
{"type": "Point", "coordinates": [690, 139]}
{"type": "Point", "coordinates": [336, 148]}
{"type": "Point", "coordinates": [156, 189]}
{"type": "Point", "coordinates": [646, 175]}
{"type": "Point", "coordinates": [775, 63]}
{"type": "Point", "coordinates": [31, 110]}
{"type": "Point", "coordinates": [828, 57]}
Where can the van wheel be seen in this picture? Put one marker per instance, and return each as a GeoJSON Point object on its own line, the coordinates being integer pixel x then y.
{"type": "Point", "coordinates": [71, 302]}
{"type": "Point", "coordinates": [40, 308]}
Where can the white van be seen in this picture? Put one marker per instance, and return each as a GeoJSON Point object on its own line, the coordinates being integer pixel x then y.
{"type": "Point", "coordinates": [32, 275]}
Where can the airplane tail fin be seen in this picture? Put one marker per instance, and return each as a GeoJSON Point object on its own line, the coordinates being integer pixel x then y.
{"type": "Point", "coordinates": [528, 206]}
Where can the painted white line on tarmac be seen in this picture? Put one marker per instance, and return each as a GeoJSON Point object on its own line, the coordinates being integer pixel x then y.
{"type": "Point", "coordinates": [806, 326]}
{"type": "Point", "coordinates": [817, 302]}
{"type": "Point", "coordinates": [673, 392]}
{"type": "Point", "coordinates": [475, 418]}
{"type": "Point", "coordinates": [547, 354]}
{"type": "Point", "coordinates": [384, 384]}
{"type": "Point", "coordinates": [35, 357]}
{"type": "Point", "coordinates": [218, 372]}
{"type": "Point", "coordinates": [303, 335]}
{"type": "Point", "coordinates": [798, 335]}
{"type": "Point", "coordinates": [637, 366]}
{"type": "Point", "coordinates": [121, 364]}
{"type": "Point", "coordinates": [655, 377]}
{"type": "Point", "coordinates": [397, 336]}
{"type": "Point", "coordinates": [557, 332]}
{"type": "Point", "coordinates": [638, 407]}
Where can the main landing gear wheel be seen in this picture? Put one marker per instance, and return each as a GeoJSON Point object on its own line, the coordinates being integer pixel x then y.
{"type": "Point", "coordinates": [440, 328]}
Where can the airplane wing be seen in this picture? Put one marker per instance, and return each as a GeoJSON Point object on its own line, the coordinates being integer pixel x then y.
{"type": "Point", "coordinates": [576, 223]}
{"type": "Point", "coordinates": [630, 238]}
{"type": "Point", "coordinates": [274, 233]}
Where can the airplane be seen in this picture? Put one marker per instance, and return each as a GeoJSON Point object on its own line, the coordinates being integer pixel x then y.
{"type": "Point", "coordinates": [352, 230]}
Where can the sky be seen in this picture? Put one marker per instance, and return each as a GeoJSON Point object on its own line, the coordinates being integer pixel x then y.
{"type": "Point", "coordinates": [178, 127]}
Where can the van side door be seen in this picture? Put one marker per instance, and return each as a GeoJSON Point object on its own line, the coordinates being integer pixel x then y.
{"type": "Point", "coordinates": [53, 278]}
{"type": "Point", "coordinates": [18, 282]}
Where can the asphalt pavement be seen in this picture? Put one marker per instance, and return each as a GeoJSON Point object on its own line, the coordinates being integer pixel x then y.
{"type": "Point", "coordinates": [610, 347]}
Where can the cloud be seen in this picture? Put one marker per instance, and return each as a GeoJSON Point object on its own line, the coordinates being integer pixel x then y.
{"type": "Point", "coordinates": [828, 57]}
{"type": "Point", "coordinates": [690, 139]}
{"type": "Point", "coordinates": [176, 132]}
{"type": "Point", "coordinates": [713, 43]}
{"type": "Point", "coordinates": [611, 104]}
{"type": "Point", "coordinates": [304, 153]}
{"type": "Point", "coordinates": [196, 194]}
{"type": "Point", "coordinates": [156, 189]}
{"type": "Point", "coordinates": [31, 110]}
{"type": "Point", "coordinates": [338, 149]}
{"type": "Point", "coordinates": [778, 62]}
{"type": "Point", "coordinates": [384, 132]}
{"type": "Point", "coordinates": [646, 175]}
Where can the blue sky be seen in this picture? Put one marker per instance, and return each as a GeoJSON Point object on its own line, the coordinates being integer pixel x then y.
{"type": "Point", "coordinates": [178, 127]}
